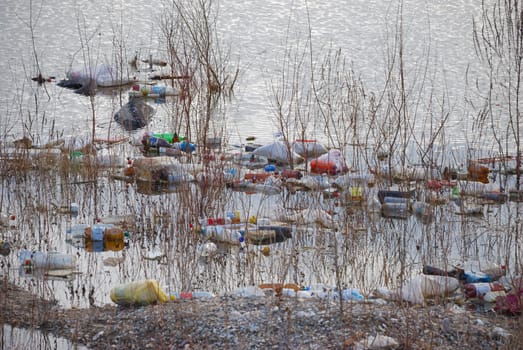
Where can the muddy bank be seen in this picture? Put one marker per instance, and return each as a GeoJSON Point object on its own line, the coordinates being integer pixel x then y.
{"type": "Point", "coordinates": [261, 323]}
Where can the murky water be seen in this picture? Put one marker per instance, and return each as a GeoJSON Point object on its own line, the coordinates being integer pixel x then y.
{"type": "Point", "coordinates": [18, 338]}
{"type": "Point", "coordinates": [366, 252]}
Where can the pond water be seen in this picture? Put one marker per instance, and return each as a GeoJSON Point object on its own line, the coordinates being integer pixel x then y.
{"type": "Point", "coordinates": [365, 252]}
{"type": "Point", "coordinates": [437, 37]}
{"type": "Point", "coordinates": [19, 338]}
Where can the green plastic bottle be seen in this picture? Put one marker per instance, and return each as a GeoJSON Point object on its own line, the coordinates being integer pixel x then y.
{"type": "Point", "coordinates": [169, 137]}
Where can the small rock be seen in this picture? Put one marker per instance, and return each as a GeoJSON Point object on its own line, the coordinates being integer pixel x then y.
{"type": "Point", "coordinates": [500, 332]}
{"type": "Point", "coordinates": [446, 325]}
{"type": "Point", "coordinates": [98, 335]}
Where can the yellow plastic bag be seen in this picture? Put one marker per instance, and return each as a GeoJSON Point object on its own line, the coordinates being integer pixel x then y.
{"type": "Point", "coordinates": [138, 293]}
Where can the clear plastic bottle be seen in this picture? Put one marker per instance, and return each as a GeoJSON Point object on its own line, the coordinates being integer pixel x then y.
{"type": "Point", "coordinates": [50, 260]}
{"type": "Point", "coordinates": [76, 231]}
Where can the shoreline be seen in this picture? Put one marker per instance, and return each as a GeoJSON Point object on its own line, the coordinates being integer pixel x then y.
{"type": "Point", "coordinates": [263, 322]}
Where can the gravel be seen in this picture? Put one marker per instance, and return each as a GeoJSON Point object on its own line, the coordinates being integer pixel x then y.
{"type": "Point", "coordinates": [270, 322]}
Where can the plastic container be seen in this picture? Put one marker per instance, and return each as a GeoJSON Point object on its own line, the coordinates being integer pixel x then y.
{"type": "Point", "coordinates": [170, 137]}
{"type": "Point", "coordinates": [76, 231]}
{"type": "Point", "coordinates": [113, 234]}
{"type": "Point", "coordinates": [94, 246]}
{"type": "Point", "coordinates": [395, 200]}
{"type": "Point", "coordinates": [143, 90]}
{"type": "Point", "coordinates": [478, 290]}
{"type": "Point", "coordinates": [331, 163]}
{"type": "Point", "coordinates": [96, 232]}
{"type": "Point", "coordinates": [395, 210]}
{"type": "Point", "coordinates": [494, 196]}
{"type": "Point", "coordinates": [191, 295]}
{"type": "Point", "coordinates": [8, 220]}
{"type": "Point", "coordinates": [185, 146]}
{"type": "Point", "coordinates": [382, 194]}
{"type": "Point", "coordinates": [74, 208]}
{"type": "Point", "coordinates": [270, 168]}
{"type": "Point", "coordinates": [323, 167]}
{"type": "Point", "coordinates": [50, 260]}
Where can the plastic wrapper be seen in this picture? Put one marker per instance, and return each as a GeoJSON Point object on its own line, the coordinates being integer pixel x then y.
{"type": "Point", "coordinates": [138, 293]}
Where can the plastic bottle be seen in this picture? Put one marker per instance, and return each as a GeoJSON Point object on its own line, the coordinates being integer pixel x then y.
{"type": "Point", "coordinates": [181, 296]}
{"type": "Point", "coordinates": [76, 231]}
{"type": "Point", "coordinates": [50, 260]}
{"type": "Point", "coordinates": [96, 232]}
{"type": "Point", "coordinates": [478, 290]}
{"type": "Point", "coordinates": [288, 292]}
{"type": "Point", "coordinates": [74, 209]}
{"type": "Point", "coordinates": [201, 294]}
{"type": "Point", "coordinates": [395, 210]}
{"type": "Point", "coordinates": [8, 220]}
{"type": "Point", "coordinates": [113, 234]}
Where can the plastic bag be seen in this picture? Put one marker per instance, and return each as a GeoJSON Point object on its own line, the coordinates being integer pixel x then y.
{"type": "Point", "coordinates": [138, 293]}
{"type": "Point", "coordinates": [421, 287]}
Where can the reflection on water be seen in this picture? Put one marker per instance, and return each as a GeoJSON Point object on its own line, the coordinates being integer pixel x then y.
{"type": "Point", "coordinates": [256, 31]}
{"type": "Point", "coordinates": [21, 339]}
